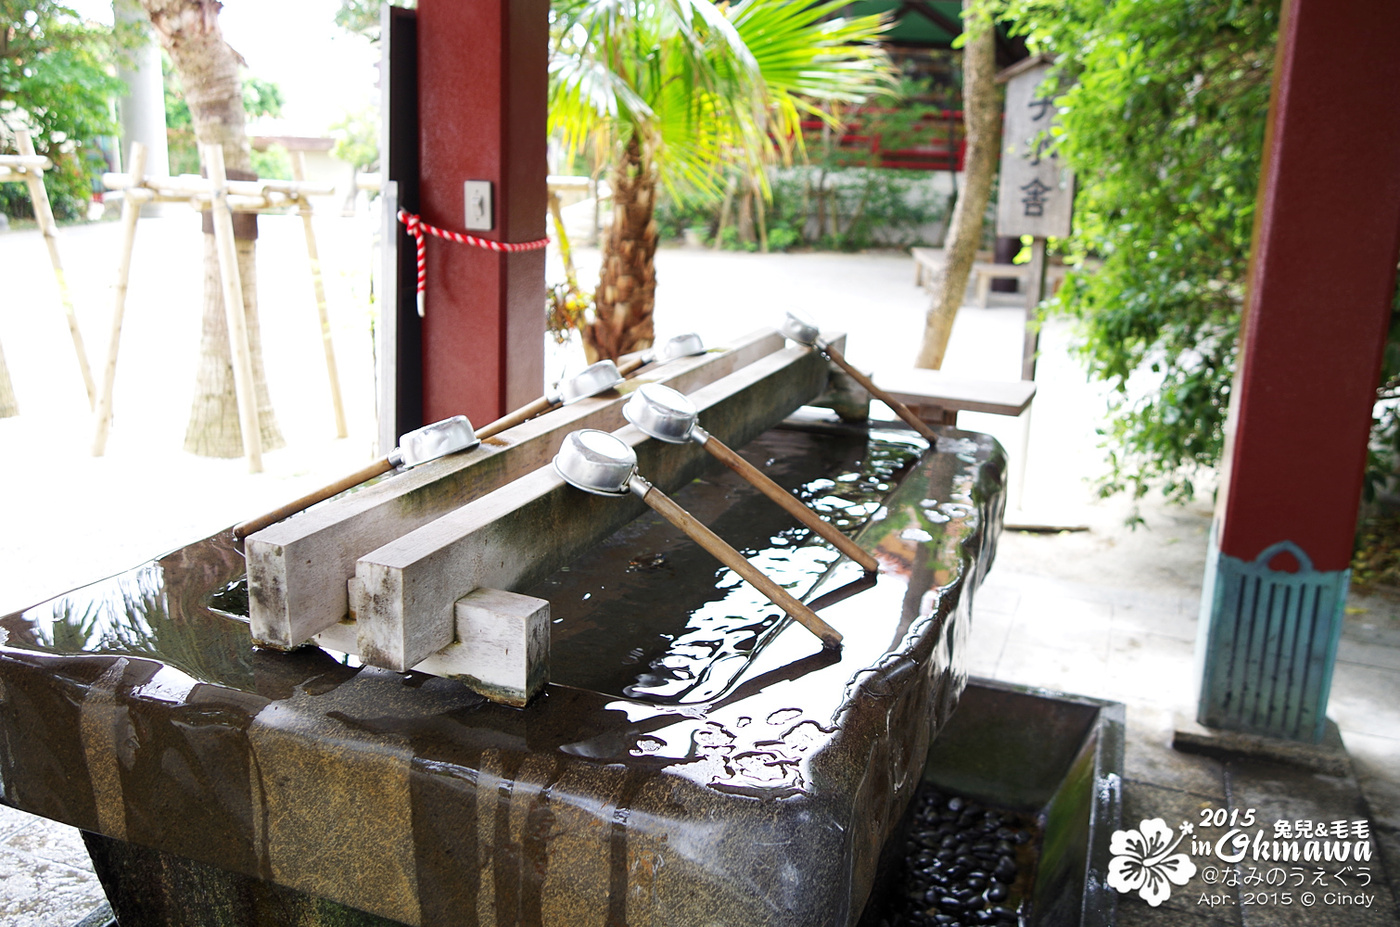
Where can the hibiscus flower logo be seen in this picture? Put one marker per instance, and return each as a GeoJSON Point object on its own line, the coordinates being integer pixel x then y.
{"type": "Point", "coordinates": [1143, 861]}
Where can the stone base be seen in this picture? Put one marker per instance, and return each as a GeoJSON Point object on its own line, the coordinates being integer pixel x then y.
{"type": "Point", "coordinates": [1328, 757]}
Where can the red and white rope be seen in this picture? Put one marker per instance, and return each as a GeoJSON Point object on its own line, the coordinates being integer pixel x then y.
{"type": "Point", "coordinates": [415, 226]}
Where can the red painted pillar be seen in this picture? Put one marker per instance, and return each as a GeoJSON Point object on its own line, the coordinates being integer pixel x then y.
{"type": "Point", "coordinates": [1316, 314]}
{"type": "Point", "coordinates": [482, 78]}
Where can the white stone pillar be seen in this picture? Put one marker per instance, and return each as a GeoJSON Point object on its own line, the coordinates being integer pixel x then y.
{"type": "Point", "coordinates": [142, 111]}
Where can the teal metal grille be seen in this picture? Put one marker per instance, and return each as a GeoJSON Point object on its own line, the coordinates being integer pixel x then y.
{"type": "Point", "coordinates": [1267, 643]}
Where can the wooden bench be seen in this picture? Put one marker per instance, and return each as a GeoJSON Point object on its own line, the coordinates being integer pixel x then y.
{"type": "Point", "coordinates": [929, 261]}
{"type": "Point", "coordinates": [937, 398]}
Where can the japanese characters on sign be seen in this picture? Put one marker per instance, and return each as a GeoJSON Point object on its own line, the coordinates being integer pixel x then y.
{"type": "Point", "coordinates": [1036, 192]}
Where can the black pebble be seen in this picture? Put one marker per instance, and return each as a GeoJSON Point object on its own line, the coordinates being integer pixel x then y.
{"type": "Point", "coordinates": [996, 893]}
{"type": "Point", "coordinates": [956, 804]}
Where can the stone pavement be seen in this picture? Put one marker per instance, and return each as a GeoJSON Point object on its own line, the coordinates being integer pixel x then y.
{"type": "Point", "coordinates": [1108, 612]}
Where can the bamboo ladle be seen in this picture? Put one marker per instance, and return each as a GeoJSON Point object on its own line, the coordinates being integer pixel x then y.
{"type": "Point", "coordinates": [590, 381]}
{"type": "Point", "coordinates": [664, 414]}
{"type": "Point", "coordinates": [603, 464]}
{"type": "Point", "coordinates": [803, 330]}
{"type": "Point", "coordinates": [417, 447]}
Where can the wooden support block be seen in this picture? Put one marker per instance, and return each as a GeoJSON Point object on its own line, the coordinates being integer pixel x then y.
{"type": "Point", "coordinates": [919, 388]}
{"type": "Point", "coordinates": [500, 645]}
{"type": "Point", "coordinates": [297, 569]}
{"type": "Point", "coordinates": [527, 529]}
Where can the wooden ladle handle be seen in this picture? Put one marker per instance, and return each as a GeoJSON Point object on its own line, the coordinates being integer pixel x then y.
{"type": "Point", "coordinates": [382, 465]}
{"type": "Point", "coordinates": [790, 503]}
{"type": "Point", "coordinates": [899, 408]}
{"type": "Point", "coordinates": [731, 558]}
{"type": "Point", "coordinates": [519, 416]}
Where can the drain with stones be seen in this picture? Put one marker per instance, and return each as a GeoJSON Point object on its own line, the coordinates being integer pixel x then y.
{"type": "Point", "coordinates": [964, 864]}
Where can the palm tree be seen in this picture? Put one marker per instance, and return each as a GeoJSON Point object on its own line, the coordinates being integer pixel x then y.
{"type": "Point", "coordinates": [209, 75]}
{"type": "Point", "coordinates": [675, 92]}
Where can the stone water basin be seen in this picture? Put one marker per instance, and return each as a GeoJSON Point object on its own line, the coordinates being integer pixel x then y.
{"type": "Point", "coordinates": [697, 758]}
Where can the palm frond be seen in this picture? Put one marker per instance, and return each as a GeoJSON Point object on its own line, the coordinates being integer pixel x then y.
{"type": "Point", "coordinates": [706, 86]}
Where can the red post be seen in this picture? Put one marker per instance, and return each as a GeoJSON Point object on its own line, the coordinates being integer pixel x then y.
{"type": "Point", "coordinates": [1320, 285]}
{"type": "Point", "coordinates": [1316, 315]}
{"type": "Point", "coordinates": [482, 78]}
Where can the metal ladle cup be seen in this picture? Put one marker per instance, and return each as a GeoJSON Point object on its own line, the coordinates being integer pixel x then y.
{"type": "Point", "coordinates": [664, 414]}
{"type": "Point", "coordinates": [416, 447]}
{"type": "Point", "coordinates": [798, 327]}
{"type": "Point", "coordinates": [603, 464]}
{"type": "Point", "coordinates": [590, 381]}
{"type": "Point", "coordinates": [687, 345]}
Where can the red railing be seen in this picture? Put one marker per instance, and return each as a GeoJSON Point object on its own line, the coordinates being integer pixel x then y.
{"type": "Point", "coordinates": [938, 142]}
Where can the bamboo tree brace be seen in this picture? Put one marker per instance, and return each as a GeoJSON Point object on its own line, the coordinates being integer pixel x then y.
{"type": "Point", "coordinates": [415, 226]}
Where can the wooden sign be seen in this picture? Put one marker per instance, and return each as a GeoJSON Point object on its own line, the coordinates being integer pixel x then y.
{"type": "Point", "coordinates": [1036, 194]}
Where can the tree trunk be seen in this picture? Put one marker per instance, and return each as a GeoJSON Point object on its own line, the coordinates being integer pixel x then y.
{"type": "Point", "coordinates": [8, 405]}
{"type": "Point", "coordinates": [626, 292]}
{"type": "Point", "coordinates": [208, 71]}
{"type": "Point", "coordinates": [982, 115]}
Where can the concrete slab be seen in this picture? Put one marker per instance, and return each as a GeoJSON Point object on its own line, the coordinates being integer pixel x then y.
{"type": "Point", "coordinates": [1149, 757]}
{"type": "Point", "coordinates": [1346, 894]}
{"type": "Point", "coordinates": [1328, 757]}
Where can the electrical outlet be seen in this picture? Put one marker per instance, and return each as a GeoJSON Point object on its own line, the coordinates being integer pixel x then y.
{"type": "Point", "coordinates": [476, 194]}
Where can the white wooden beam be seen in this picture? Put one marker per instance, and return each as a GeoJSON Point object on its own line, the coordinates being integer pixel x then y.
{"type": "Point", "coordinates": [297, 569]}
{"type": "Point", "coordinates": [522, 532]}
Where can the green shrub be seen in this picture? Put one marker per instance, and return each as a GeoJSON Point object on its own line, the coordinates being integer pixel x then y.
{"type": "Point", "coordinates": [55, 81]}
